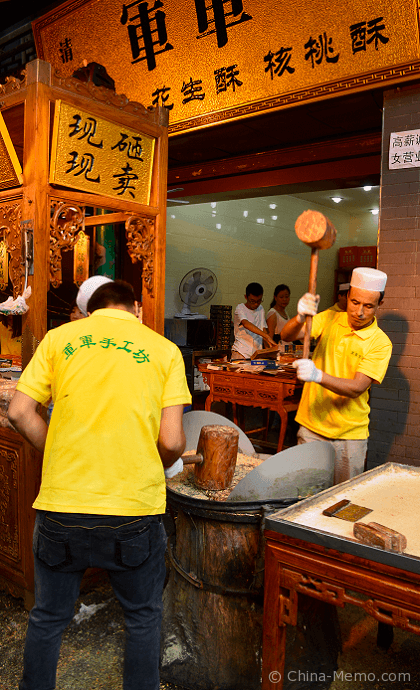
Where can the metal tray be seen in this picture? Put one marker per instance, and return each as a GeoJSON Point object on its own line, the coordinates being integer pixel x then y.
{"type": "Point", "coordinates": [400, 510]}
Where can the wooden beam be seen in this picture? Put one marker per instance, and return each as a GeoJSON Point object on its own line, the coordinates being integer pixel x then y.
{"type": "Point", "coordinates": [337, 149]}
{"type": "Point", "coordinates": [286, 177]}
{"type": "Point", "coordinates": [106, 219]}
{"type": "Point", "coordinates": [99, 201]}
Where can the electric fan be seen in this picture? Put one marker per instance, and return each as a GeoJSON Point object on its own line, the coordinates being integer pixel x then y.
{"type": "Point", "coordinates": [195, 289]}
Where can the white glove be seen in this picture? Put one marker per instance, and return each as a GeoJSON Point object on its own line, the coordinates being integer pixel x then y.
{"type": "Point", "coordinates": [174, 469]}
{"type": "Point", "coordinates": [307, 306]}
{"type": "Point", "coordinates": [307, 371]}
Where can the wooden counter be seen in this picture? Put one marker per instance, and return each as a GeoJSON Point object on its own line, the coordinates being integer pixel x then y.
{"type": "Point", "coordinates": [253, 390]}
{"type": "Point", "coordinates": [20, 477]}
{"type": "Point", "coordinates": [302, 557]}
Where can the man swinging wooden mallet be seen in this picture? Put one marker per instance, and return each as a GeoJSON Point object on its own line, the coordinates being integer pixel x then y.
{"type": "Point", "coordinates": [352, 352]}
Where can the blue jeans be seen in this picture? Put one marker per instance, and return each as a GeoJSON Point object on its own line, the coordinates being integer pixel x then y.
{"type": "Point", "coordinates": [131, 550]}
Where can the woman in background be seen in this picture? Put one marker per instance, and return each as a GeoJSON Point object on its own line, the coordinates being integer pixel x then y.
{"type": "Point", "coordinates": [277, 315]}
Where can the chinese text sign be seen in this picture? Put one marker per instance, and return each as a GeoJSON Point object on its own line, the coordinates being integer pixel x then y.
{"type": "Point", "coordinates": [202, 57]}
{"type": "Point", "coordinates": [96, 155]}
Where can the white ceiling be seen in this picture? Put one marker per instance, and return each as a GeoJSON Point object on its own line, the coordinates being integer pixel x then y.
{"type": "Point", "coordinates": [355, 201]}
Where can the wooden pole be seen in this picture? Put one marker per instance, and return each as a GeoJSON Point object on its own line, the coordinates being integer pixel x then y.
{"type": "Point", "coordinates": [313, 270]}
{"type": "Point", "coordinates": [316, 231]}
{"type": "Point", "coordinates": [35, 205]}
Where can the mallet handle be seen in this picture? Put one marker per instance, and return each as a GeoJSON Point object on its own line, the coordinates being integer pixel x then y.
{"type": "Point", "coordinates": [192, 459]}
{"type": "Point", "coordinates": [312, 289]}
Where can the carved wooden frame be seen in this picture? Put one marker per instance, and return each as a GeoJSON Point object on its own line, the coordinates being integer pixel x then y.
{"type": "Point", "coordinates": [139, 230]}
{"type": "Point", "coordinates": [63, 236]}
{"type": "Point", "coordinates": [12, 84]}
{"type": "Point", "coordinates": [296, 582]}
{"type": "Point", "coordinates": [294, 566]}
{"type": "Point", "coordinates": [140, 235]}
{"type": "Point", "coordinates": [10, 219]}
{"type": "Point", "coordinates": [9, 545]}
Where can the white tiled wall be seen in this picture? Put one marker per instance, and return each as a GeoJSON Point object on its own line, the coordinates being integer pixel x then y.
{"type": "Point", "coordinates": [244, 249]}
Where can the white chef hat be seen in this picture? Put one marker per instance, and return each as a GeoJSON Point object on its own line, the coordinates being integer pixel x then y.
{"type": "Point", "coordinates": [368, 279]}
{"type": "Point", "coordinates": [343, 287]}
{"type": "Point", "coordinates": [86, 290]}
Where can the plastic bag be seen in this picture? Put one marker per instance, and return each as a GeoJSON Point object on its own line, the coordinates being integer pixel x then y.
{"type": "Point", "coordinates": [16, 306]}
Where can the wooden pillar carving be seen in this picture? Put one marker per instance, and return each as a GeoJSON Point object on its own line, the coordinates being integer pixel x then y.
{"type": "Point", "coordinates": [10, 219]}
{"type": "Point", "coordinates": [67, 220]}
{"type": "Point", "coordinates": [35, 204]}
{"type": "Point", "coordinates": [154, 306]}
{"type": "Point", "coordinates": [140, 235]}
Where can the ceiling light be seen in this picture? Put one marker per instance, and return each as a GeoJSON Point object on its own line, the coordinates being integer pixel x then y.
{"type": "Point", "coordinates": [367, 188]}
{"type": "Point", "coordinates": [172, 216]}
{"type": "Point", "coordinates": [213, 204]}
{"type": "Point", "coordinates": [375, 211]}
{"type": "Point", "coordinates": [336, 199]}
{"type": "Point", "coordinates": [273, 206]}
{"type": "Point", "coordinates": [218, 226]}
{"type": "Point", "coordinates": [260, 220]}
{"type": "Point", "coordinates": [245, 214]}
{"type": "Point", "coordinates": [273, 217]}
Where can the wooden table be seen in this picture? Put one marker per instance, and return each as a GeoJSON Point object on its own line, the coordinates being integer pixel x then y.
{"type": "Point", "coordinates": [253, 390]}
{"type": "Point", "coordinates": [335, 570]}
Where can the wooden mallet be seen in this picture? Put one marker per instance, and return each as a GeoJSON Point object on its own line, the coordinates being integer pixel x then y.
{"type": "Point", "coordinates": [215, 461]}
{"type": "Point", "coordinates": [315, 230]}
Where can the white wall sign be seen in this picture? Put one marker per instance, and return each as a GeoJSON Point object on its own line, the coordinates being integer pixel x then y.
{"type": "Point", "coordinates": [404, 149]}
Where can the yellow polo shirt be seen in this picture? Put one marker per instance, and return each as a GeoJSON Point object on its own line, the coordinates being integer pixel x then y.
{"type": "Point", "coordinates": [109, 378]}
{"type": "Point", "coordinates": [335, 307]}
{"type": "Point", "coordinates": [343, 352]}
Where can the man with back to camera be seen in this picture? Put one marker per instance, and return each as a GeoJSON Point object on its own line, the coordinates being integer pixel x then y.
{"type": "Point", "coordinates": [118, 390]}
{"type": "Point", "coordinates": [352, 352]}
{"type": "Point", "coordinates": [249, 325]}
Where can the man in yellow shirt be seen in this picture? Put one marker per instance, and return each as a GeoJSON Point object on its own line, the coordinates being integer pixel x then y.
{"type": "Point", "coordinates": [352, 352]}
{"type": "Point", "coordinates": [341, 303]}
{"type": "Point", "coordinates": [118, 390]}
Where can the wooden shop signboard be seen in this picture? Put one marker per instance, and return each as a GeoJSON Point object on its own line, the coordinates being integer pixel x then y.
{"type": "Point", "coordinates": [212, 60]}
{"type": "Point", "coordinates": [92, 154]}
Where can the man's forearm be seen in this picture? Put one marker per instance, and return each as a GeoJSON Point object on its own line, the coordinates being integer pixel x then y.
{"type": "Point", "coordinates": [349, 388]}
{"type": "Point", "coordinates": [169, 456]}
{"type": "Point", "coordinates": [171, 442]}
{"type": "Point", "coordinates": [254, 329]}
{"type": "Point", "coordinates": [22, 413]}
{"type": "Point", "coordinates": [293, 330]}
{"type": "Point", "coordinates": [33, 429]}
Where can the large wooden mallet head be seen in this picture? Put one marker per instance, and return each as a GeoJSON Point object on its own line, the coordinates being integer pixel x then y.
{"type": "Point", "coordinates": [215, 461]}
{"type": "Point", "coordinates": [315, 230]}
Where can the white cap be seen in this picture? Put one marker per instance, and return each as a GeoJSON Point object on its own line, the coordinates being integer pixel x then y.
{"type": "Point", "coordinates": [343, 287]}
{"type": "Point", "coordinates": [86, 290]}
{"type": "Point", "coordinates": [368, 279]}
